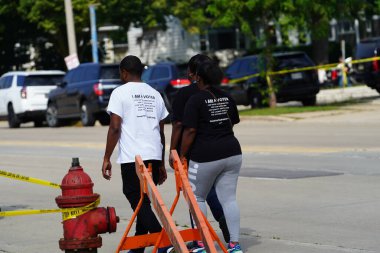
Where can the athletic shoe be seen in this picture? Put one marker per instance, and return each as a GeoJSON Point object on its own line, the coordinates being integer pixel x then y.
{"type": "Point", "coordinates": [196, 247]}
{"type": "Point", "coordinates": [169, 249]}
{"type": "Point", "coordinates": [234, 248]}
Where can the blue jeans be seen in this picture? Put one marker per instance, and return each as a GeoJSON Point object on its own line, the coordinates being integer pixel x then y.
{"type": "Point", "coordinates": [340, 81]}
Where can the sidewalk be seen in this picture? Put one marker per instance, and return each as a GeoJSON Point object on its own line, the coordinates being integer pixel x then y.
{"type": "Point", "coordinates": [344, 94]}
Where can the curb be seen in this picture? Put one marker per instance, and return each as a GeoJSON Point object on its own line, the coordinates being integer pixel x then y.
{"type": "Point", "coordinates": [345, 94]}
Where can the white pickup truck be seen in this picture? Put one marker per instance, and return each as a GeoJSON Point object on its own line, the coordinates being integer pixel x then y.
{"type": "Point", "coordinates": [23, 95]}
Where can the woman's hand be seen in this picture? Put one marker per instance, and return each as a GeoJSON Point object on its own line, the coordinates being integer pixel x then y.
{"type": "Point", "coordinates": [183, 160]}
{"type": "Point", "coordinates": [171, 160]}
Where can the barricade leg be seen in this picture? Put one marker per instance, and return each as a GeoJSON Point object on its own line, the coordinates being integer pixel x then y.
{"type": "Point", "coordinates": [169, 234]}
{"type": "Point", "coordinates": [123, 239]}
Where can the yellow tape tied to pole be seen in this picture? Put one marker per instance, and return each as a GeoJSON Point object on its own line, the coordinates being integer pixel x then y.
{"type": "Point", "coordinates": [326, 66]}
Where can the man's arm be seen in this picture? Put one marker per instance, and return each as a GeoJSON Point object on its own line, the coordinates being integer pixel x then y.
{"type": "Point", "coordinates": [174, 141]}
{"type": "Point", "coordinates": [113, 136]}
{"type": "Point", "coordinates": [162, 172]}
{"type": "Point", "coordinates": [188, 137]}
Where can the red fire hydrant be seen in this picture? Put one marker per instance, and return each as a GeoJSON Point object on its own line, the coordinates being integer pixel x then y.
{"type": "Point", "coordinates": [81, 231]}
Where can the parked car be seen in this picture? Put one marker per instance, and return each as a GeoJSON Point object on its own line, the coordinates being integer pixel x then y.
{"type": "Point", "coordinates": [368, 72]}
{"type": "Point", "coordinates": [167, 78]}
{"type": "Point", "coordinates": [299, 86]}
{"type": "Point", "coordinates": [23, 95]}
{"type": "Point", "coordinates": [83, 95]}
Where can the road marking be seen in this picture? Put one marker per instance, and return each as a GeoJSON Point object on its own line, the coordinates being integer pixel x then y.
{"type": "Point", "coordinates": [59, 144]}
{"type": "Point", "coordinates": [303, 149]}
{"type": "Point", "coordinates": [245, 148]}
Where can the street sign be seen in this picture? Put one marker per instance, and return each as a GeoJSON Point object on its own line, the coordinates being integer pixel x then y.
{"type": "Point", "coordinates": [72, 61]}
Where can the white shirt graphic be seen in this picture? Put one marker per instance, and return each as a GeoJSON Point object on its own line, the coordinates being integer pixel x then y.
{"type": "Point", "coordinates": [141, 108]}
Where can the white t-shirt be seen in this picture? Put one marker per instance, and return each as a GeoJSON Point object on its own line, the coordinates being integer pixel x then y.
{"type": "Point", "coordinates": [141, 108]}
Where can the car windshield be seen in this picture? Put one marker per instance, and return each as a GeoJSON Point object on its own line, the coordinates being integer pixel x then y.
{"type": "Point", "coordinates": [39, 80]}
{"type": "Point", "coordinates": [292, 61]}
{"type": "Point", "coordinates": [110, 72]}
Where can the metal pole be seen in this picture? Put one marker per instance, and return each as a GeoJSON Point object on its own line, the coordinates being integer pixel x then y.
{"type": "Point", "coordinates": [344, 74]}
{"type": "Point", "coordinates": [70, 27]}
{"type": "Point", "coordinates": [357, 32]}
{"type": "Point", "coordinates": [94, 37]}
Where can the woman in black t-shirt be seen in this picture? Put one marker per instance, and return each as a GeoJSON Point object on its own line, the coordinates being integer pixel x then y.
{"type": "Point", "coordinates": [209, 141]}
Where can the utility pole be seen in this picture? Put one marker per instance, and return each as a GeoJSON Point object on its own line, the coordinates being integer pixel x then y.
{"type": "Point", "coordinates": [94, 36]}
{"type": "Point", "coordinates": [70, 27]}
{"type": "Point", "coordinates": [344, 74]}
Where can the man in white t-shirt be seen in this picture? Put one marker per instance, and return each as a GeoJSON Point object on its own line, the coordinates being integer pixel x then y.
{"type": "Point", "coordinates": [137, 112]}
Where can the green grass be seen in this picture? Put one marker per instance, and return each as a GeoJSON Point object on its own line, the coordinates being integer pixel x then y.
{"type": "Point", "coordinates": [287, 110]}
{"type": "Point", "coordinates": [300, 109]}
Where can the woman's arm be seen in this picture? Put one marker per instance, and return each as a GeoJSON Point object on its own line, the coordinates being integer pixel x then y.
{"type": "Point", "coordinates": [174, 142]}
{"type": "Point", "coordinates": [188, 137]}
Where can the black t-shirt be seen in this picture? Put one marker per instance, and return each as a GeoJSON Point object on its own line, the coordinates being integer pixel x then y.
{"type": "Point", "coordinates": [180, 101]}
{"type": "Point", "coordinates": [212, 113]}
{"type": "Point", "coordinates": [178, 106]}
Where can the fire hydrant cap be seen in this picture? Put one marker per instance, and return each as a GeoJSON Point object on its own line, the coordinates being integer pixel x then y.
{"type": "Point", "coordinates": [76, 187]}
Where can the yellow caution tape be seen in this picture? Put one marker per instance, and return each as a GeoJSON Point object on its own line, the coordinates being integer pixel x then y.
{"type": "Point", "coordinates": [326, 66]}
{"type": "Point", "coordinates": [75, 212]}
{"type": "Point", "coordinates": [29, 212]}
{"type": "Point", "coordinates": [67, 213]}
{"type": "Point", "coordinates": [28, 179]}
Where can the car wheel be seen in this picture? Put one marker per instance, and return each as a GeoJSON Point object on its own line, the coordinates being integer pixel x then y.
{"type": "Point", "coordinates": [255, 100]}
{"type": "Point", "coordinates": [86, 117]}
{"type": "Point", "coordinates": [13, 120]}
{"type": "Point", "coordinates": [52, 116]}
{"type": "Point", "coordinates": [310, 101]}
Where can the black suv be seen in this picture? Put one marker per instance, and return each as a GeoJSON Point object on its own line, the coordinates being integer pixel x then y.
{"type": "Point", "coordinates": [83, 95]}
{"type": "Point", "coordinates": [368, 72]}
{"type": "Point", "coordinates": [167, 78]}
{"type": "Point", "coordinates": [299, 86]}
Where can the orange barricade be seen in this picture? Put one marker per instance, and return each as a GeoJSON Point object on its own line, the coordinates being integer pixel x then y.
{"type": "Point", "coordinates": [207, 233]}
{"type": "Point", "coordinates": [169, 234]}
{"type": "Point", "coordinates": [172, 237]}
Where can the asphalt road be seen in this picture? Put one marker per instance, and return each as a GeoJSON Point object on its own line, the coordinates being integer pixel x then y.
{"type": "Point", "coordinates": [309, 182]}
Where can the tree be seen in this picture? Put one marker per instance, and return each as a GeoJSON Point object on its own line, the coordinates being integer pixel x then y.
{"type": "Point", "coordinates": [316, 18]}
{"type": "Point", "coordinates": [15, 32]}
{"type": "Point", "coordinates": [249, 15]}
{"type": "Point", "coordinates": [49, 16]}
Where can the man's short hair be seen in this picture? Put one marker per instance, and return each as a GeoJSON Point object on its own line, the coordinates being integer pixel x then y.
{"type": "Point", "coordinates": [132, 64]}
